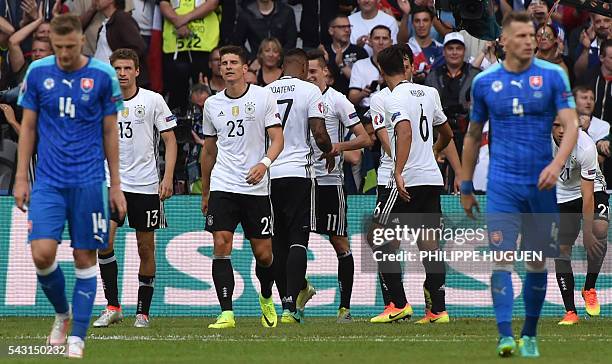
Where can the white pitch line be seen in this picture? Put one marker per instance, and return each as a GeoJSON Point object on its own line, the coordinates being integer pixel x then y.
{"type": "Point", "coordinates": [355, 338]}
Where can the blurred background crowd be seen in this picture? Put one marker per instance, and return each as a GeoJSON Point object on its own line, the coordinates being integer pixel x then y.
{"type": "Point", "coordinates": [178, 42]}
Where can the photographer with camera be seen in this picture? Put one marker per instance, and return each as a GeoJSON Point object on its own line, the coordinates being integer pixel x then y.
{"type": "Point", "coordinates": [453, 81]}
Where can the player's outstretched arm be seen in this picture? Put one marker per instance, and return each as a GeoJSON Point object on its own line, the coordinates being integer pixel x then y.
{"type": "Point", "coordinates": [208, 158]}
{"type": "Point", "coordinates": [165, 187]}
{"type": "Point", "coordinates": [471, 147]}
{"type": "Point", "coordinates": [111, 150]}
{"type": "Point", "coordinates": [27, 137]}
{"type": "Point", "coordinates": [361, 140]}
{"type": "Point", "coordinates": [403, 132]}
{"type": "Point", "coordinates": [549, 175]}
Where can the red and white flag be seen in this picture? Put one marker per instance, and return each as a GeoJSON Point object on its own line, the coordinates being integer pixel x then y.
{"type": "Point", "coordinates": [154, 57]}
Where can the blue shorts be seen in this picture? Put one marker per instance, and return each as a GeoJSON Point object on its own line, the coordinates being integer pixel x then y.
{"type": "Point", "coordinates": [85, 208]}
{"type": "Point", "coordinates": [524, 209]}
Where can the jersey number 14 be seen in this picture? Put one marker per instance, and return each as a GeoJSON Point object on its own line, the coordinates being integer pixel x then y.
{"type": "Point", "coordinates": [66, 107]}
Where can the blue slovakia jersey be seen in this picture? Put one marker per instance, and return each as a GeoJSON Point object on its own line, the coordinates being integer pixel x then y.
{"type": "Point", "coordinates": [71, 107]}
{"type": "Point", "coordinates": [521, 108]}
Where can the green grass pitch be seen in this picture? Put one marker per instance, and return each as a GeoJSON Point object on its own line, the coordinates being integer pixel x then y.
{"type": "Point", "coordinates": [319, 340]}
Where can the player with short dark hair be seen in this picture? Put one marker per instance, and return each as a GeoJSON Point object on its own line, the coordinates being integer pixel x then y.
{"type": "Point", "coordinates": [522, 93]}
{"type": "Point", "coordinates": [144, 117]}
{"type": "Point", "coordinates": [331, 207]}
{"type": "Point", "coordinates": [293, 177]}
{"type": "Point", "coordinates": [70, 107]}
{"type": "Point", "coordinates": [235, 184]}
{"type": "Point", "coordinates": [417, 179]}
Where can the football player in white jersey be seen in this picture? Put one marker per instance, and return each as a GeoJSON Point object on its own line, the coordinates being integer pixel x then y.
{"type": "Point", "coordinates": [340, 115]}
{"type": "Point", "coordinates": [414, 111]}
{"type": "Point", "coordinates": [581, 195]}
{"type": "Point", "coordinates": [235, 185]}
{"type": "Point", "coordinates": [144, 117]}
{"type": "Point", "coordinates": [293, 193]}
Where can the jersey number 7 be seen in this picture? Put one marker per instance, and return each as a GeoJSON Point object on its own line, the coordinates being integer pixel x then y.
{"type": "Point", "coordinates": [289, 103]}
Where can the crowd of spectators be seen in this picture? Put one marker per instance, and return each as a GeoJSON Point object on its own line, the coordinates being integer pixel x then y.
{"type": "Point", "coordinates": [178, 42]}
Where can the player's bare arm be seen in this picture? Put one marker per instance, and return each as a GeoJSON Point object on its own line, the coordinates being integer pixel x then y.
{"type": "Point", "coordinates": [471, 147]}
{"type": "Point", "coordinates": [591, 244]}
{"type": "Point", "coordinates": [403, 132]}
{"type": "Point", "coordinates": [453, 159]}
{"type": "Point", "coordinates": [319, 132]}
{"type": "Point", "coordinates": [383, 137]}
{"type": "Point", "coordinates": [27, 137]}
{"type": "Point", "coordinates": [361, 140]}
{"type": "Point", "coordinates": [165, 187]}
{"type": "Point", "coordinates": [111, 151]}
{"type": "Point", "coordinates": [445, 136]}
{"type": "Point", "coordinates": [277, 141]}
{"type": "Point", "coordinates": [549, 176]}
{"type": "Point", "coordinates": [207, 162]}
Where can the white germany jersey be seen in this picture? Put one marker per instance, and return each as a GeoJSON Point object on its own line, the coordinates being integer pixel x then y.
{"type": "Point", "coordinates": [143, 117]}
{"type": "Point", "coordinates": [297, 101]}
{"type": "Point", "coordinates": [340, 115]}
{"type": "Point", "coordinates": [379, 121]}
{"type": "Point", "coordinates": [421, 106]}
{"type": "Point", "coordinates": [582, 163]}
{"type": "Point", "coordinates": [240, 127]}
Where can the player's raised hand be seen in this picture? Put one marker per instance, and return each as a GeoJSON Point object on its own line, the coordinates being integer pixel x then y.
{"type": "Point", "coordinates": [165, 189]}
{"type": "Point", "coordinates": [548, 177]}
{"type": "Point", "coordinates": [256, 173]}
{"type": "Point", "coordinates": [117, 201]}
{"type": "Point", "coordinates": [21, 192]}
{"type": "Point", "coordinates": [468, 201]}
{"type": "Point", "coordinates": [401, 188]}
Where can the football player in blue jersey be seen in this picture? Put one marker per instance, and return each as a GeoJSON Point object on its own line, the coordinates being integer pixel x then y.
{"type": "Point", "coordinates": [70, 104]}
{"type": "Point", "coordinates": [520, 97]}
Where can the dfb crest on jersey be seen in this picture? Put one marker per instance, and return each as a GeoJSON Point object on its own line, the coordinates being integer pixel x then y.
{"type": "Point", "coordinates": [87, 84]}
{"type": "Point", "coordinates": [125, 112]}
{"type": "Point", "coordinates": [140, 111]}
{"type": "Point", "coordinates": [49, 83]}
{"type": "Point", "coordinates": [235, 110]}
{"type": "Point", "coordinates": [536, 82]}
{"type": "Point", "coordinates": [249, 108]}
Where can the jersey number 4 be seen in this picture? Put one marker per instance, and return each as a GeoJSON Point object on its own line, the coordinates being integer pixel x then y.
{"type": "Point", "coordinates": [66, 107]}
